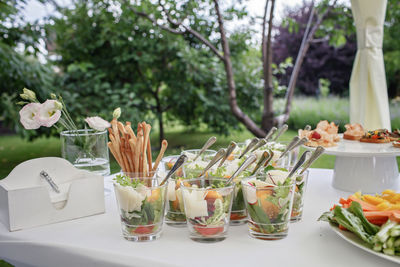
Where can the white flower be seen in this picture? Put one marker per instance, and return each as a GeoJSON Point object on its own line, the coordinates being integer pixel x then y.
{"type": "Point", "coordinates": [97, 123]}
{"type": "Point", "coordinates": [49, 113]}
{"type": "Point", "coordinates": [28, 95]}
{"type": "Point", "coordinates": [117, 113]}
{"type": "Point", "coordinates": [28, 116]}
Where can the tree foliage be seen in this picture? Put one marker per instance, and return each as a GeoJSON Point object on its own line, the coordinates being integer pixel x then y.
{"type": "Point", "coordinates": [19, 66]}
{"type": "Point", "coordinates": [330, 56]}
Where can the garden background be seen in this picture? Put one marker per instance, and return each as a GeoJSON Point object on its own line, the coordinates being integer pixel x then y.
{"type": "Point", "coordinates": [103, 54]}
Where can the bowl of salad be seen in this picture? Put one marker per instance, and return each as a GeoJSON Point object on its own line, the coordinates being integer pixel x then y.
{"type": "Point", "coordinates": [141, 205]}
{"type": "Point", "coordinates": [207, 204]}
{"type": "Point", "coordinates": [269, 199]}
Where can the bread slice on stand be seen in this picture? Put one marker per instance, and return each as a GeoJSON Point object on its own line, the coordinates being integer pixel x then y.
{"type": "Point", "coordinates": [353, 131]}
{"type": "Point", "coordinates": [378, 137]}
{"type": "Point", "coordinates": [396, 144]}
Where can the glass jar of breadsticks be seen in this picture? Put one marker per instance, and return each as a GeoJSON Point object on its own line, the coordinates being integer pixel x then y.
{"type": "Point", "coordinates": [131, 150]}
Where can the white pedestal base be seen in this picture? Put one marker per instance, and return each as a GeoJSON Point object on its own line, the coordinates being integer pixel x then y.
{"type": "Point", "coordinates": [366, 174]}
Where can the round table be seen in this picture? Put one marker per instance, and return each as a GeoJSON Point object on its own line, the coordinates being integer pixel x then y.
{"type": "Point", "coordinates": [365, 167]}
{"type": "Point", "coordinates": [97, 241]}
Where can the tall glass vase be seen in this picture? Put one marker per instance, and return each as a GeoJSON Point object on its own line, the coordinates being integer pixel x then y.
{"type": "Point", "coordinates": [86, 149]}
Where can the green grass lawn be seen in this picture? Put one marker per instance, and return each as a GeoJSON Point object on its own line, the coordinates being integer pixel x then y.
{"type": "Point", "coordinates": [14, 150]}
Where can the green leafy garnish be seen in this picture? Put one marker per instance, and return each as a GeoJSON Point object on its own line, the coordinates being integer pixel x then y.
{"type": "Point", "coordinates": [124, 180]}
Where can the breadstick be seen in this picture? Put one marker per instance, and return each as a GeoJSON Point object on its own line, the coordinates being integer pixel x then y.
{"type": "Point", "coordinates": [137, 152]}
{"type": "Point", "coordinates": [114, 126]}
{"type": "Point", "coordinates": [112, 150]}
{"type": "Point", "coordinates": [117, 152]}
{"type": "Point", "coordinates": [121, 128]}
{"type": "Point", "coordinates": [129, 154]}
{"type": "Point", "coordinates": [128, 128]}
{"type": "Point", "coordinates": [147, 145]}
{"type": "Point", "coordinates": [149, 159]}
{"type": "Point", "coordinates": [164, 145]}
{"type": "Point", "coordinates": [132, 147]}
{"type": "Point", "coordinates": [146, 129]}
{"type": "Point", "coordinates": [124, 154]}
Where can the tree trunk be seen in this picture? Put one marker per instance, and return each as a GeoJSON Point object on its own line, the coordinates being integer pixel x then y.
{"type": "Point", "coordinates": [305, 45]}
{"type": "Point", "coordinates": [237, 112]}
{"type": "Point", "coordinates": [267, 121]}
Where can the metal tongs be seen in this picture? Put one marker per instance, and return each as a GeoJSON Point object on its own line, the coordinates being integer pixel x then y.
{"type": "Point", "coordinates": [47, 177]}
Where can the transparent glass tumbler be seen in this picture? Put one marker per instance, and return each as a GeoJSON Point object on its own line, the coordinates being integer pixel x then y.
{"type": "Point", "coordinates": [298, 199]}
{"type": "Point", "coordinates": [207, 203]}
{"type": "Point", "coordinates": [192, 153]}
{"type": "Point", "coordinates": [269, 207]}
{"type": "Point", "coordinates": [86, 149]}
{"type": "Point", "coordinates": [141, 207]}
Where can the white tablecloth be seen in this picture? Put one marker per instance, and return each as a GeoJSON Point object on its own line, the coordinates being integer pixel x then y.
{"type": "Point", "coordinates": [97, 241]}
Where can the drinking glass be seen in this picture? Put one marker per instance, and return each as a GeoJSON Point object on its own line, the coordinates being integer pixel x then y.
{"type": "Point", "coordinates": [269, 206]}
{"type": "Point", "coordinates": [298, 199]}
{"type": "Point", "coordinates": [141, 205]}
{"type": "Point", "coordinates": [86, 149]}
{"type": "Point", "coordinates": [207, 203]}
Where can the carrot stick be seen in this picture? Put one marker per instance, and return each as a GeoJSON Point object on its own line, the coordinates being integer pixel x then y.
{"type": "Point", "coordinates": [395, 216]}
{"type": "Point", "coordinates": [365, 205]}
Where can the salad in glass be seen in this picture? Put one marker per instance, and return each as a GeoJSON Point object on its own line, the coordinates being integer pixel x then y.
{"type": "Point", "coordinates": [300, 188]}
{"type": "Point", "coordinates": [141, 203]}
{"type": "Point", "coordinates": [175, 215]}
{"type": "Point", "coordinates": [239, 212]}
{"type": "Point", "coordinates": [269, 199]}
{"type": "Point", "coordinates": [207, 203]}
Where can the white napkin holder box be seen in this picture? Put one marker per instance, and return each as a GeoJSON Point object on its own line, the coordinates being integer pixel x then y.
{"type": "Point", "coordinates": [27, 200]}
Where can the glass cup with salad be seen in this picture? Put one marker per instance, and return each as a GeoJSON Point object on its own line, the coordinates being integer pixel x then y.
{"type": "Point", "coordinates": [269, 198]}
{"type": "Point", "coordinates": [141, 205]}
{"type": "Point", "coordinates": [301, 181]}
{"type": "Point", "coordinates": [239, 212]}
{"type": "Point", "coordinates": [207, 203]}
{"type": "Point", "coordinates": [175, 215]}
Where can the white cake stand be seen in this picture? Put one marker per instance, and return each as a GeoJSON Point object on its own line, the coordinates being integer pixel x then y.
{"type": "Point", "coordinates": [365, 167]}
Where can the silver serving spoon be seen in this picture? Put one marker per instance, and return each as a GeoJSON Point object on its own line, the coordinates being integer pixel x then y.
{"type": "Point", "coordinates": [264, 157]}
{"type": "Point", "coordinates": [179, 162]}
{"type": "Point", "coordinates": [260, 143]}
{"type": "Point", "coordinates": [250, 160]}
{"type": "Point", "coordinates": [220, 154]}
{"type": "Point", "coordinates": [281, 131]}
{"type": "Point", "coordinates": [299, 163]}
{"type": "Point", "coordinates": [229, 151]}
{"type": "Point", "coordinates": [307, 128]}
{"type": "Point", "coordinates": [209, 143]}
{"type": "Point", "coordinates": [294, 141]}
{"type": "Point", "coordinates": [301, 142]}
{"type": "Point", "coordinates": [270, 158]}
{"type": "Point", "coordinates": [249, 146]}
{"type": "Point", "coordinates": [270, 133]}
{"type": "Point", "coordinates": [314, 156]}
